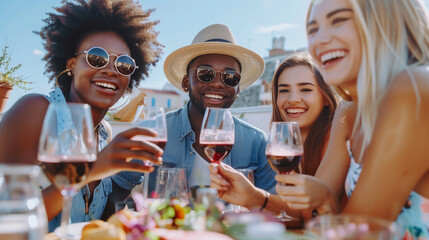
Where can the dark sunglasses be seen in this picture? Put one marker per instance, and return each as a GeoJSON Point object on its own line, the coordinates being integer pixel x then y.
{"type": "Point", "coordinates": [230, 78]}
{"type": "Point", "coordinates": [98, 58]}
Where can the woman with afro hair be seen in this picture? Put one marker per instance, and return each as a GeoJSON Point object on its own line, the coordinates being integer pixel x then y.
{"type": "Point", "coordinates": [76, 33]}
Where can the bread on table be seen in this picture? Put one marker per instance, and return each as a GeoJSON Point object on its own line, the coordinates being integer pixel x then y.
{"type": "Point", "coordinates": [98, 229]}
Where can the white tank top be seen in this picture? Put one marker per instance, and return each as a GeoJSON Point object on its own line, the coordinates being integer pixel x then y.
{"type": "Point", "coordinates": [200, 171]}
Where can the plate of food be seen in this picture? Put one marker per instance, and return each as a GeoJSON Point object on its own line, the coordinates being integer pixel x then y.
{"type": "Point", "coordinates": [74, 231]}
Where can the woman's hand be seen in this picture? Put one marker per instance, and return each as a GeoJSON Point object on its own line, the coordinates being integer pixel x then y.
{"type": "Point", "coordinates": [303, 192]}
{"type": "Point", "coordinates": [234, 187]}
{"type": "Point", "coordinates": [115, 156]}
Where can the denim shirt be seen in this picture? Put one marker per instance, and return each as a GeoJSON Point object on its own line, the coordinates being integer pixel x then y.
{"type": "Point", "coordinates": [248, 152]}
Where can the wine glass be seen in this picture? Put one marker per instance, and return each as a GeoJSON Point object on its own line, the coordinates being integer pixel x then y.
{"type": "Point", "coordinates": [250, 175]}
{"type": "Point", "coordinates": [284, 151]}
{"type": "Point", "coordinates": [217, 133]}
{"type": "Point", "coordinates": [22, 213]}
{"type": "Point", "coordinates": [67, 151]}
{"type": "Point", "coordinates": [152, 118]}
{"type": "Point", "coordinates": [172, 183]}
{"type": "Point", "coordinates": [348, 227]}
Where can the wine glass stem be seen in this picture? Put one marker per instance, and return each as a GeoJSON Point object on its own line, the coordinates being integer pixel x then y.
{"type": "Point", "coordinates": [283, 214]}
{"type": "Point", "coordinates": [65, 214]}
{"type": "Point", "coordinates": [146, 185]}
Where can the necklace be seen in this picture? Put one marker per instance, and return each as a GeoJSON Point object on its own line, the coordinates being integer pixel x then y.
{"type": "Point", "coordinates": [86, 196]}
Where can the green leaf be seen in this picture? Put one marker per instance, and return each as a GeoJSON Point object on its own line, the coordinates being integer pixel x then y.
{"type": "Point", "coordinates": [7, 73]}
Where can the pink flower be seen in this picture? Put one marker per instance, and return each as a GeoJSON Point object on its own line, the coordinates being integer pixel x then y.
{"type": "Point", "coordinates": [408, 236]}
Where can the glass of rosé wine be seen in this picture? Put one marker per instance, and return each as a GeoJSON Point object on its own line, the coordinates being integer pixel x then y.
{"type": "Point", "coordinates": [217, 133]}
{"type": "Point", "coordinates": [284, 151]}
{"type": "Point", "coordinates": [152, 118]}
{"type": "Point", "coordinates": [67, 151]}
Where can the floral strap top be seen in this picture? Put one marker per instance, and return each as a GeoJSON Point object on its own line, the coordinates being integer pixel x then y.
{"type": "Point", "coordinates": [414, 217]}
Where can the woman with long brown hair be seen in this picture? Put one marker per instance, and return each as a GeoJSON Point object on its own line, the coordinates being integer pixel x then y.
{"type": "Point", "coordinates": [301, 95]}
{"type": "Point", "coordinates": [298, 94]}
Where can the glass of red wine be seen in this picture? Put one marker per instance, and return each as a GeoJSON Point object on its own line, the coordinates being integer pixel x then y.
{"type": "Point", "coordinates": [284, 151]}
{"type": "Point", "coordinates": [217, 133]}
{"type": "Point", "coordinates": [152, 118]}
{"type": "Point", "coordinates": [67, 151]}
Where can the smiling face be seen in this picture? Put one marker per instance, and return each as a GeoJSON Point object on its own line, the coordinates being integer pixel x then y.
{"type": "Point", "coordinates": [214, 93]}
{"type": "Point", "coordinates": [333, 42]}
{"type": "Point", "coordinates": [299, 98]}
{"type": "Point", "coordinates": [100, 88]}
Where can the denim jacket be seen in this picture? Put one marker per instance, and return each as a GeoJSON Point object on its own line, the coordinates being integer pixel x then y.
{"type": "Point", "coordinates": [248, 151]}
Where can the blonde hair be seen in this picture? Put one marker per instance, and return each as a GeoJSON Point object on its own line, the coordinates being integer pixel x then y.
{"type": "Point", "coordinates": [394, 36]}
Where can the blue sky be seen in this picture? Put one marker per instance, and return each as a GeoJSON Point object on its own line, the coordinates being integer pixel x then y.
{"type": "Point", "coordinates": [253, 22]}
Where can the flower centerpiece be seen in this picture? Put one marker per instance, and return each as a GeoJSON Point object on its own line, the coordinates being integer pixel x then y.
{"type": "Point", "coordinates": [161, 219]}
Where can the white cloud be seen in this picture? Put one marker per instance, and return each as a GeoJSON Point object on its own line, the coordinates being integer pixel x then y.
{"type": "Point", "coordinates": [37, 52]}
{"type": "Point", "coordinates": [274, 28]}
{"type": "Point", "coordinates": [268, 3]}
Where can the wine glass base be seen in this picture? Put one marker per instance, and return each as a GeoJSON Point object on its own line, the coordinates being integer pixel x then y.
{"type": "Point", "coordinates": [283, 217]}
{"type": "Point", "coordinates": [287, 219]}
{"type": "Point", "coordinates": [291, 222]}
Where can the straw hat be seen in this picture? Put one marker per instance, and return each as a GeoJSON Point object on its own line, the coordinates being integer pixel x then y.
{"type": "Point", "coordinates": [214, 39]}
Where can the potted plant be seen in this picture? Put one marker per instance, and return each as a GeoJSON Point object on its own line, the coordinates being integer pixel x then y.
{"type": "Point", "coordinates": [8, 77]}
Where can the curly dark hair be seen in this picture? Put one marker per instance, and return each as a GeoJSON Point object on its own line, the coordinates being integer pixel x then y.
{"type": "Point", "coordinates": [74, 20]}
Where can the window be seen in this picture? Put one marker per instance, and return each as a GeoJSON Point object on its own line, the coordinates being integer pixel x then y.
{"type": "Point", "coordinates": [168, 103]}
{"type": "Point", "coordinates": [153, 102]}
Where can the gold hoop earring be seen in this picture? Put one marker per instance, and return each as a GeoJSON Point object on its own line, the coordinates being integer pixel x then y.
{"type": "Point", "coordinates": [69, 73]}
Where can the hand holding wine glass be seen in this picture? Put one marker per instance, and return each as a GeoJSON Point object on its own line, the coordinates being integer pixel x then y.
{"type": "Point", "coordinates": [284, 151]}
{"type": "Point", "coordinates": [67, 150]}
{"type": "Point", "coordinates": [217, 133]}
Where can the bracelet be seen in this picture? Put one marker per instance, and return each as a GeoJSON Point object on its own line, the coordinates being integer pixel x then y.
{"type": "Point", "coordinates": [265, 202]}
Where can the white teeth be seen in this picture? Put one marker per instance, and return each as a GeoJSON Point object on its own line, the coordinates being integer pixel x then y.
{"type": "Point", "coordinates": [214, 96]}
{"type": "Point", "coordinates": [106, 85]}
{"type": "Point", "coordinates": [295, 110]}
{"type": "Point", "coordinates": [332, 55]}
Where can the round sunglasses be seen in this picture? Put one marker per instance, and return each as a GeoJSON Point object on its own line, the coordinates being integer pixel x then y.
{"type": "Point", "coordinates": [98, 58]}
{"type": "Point", "coordinates": [230, 78]}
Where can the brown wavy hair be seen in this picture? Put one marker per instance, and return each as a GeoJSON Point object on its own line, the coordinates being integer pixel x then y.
{"type": "Point", "coordinates": [65, 29]}
{"type": "Point", "coordinates": [319, 131]}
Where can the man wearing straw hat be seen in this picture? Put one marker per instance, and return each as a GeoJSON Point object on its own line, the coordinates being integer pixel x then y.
{"type": "Point", "coordinates": [213, 70]}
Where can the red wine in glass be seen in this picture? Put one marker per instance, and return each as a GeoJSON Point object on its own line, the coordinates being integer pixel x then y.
{"type": "Point", "coordinates": [66, 173]}
{"type": "Point", "coordinates": [284, 152]}
{"type": "Point", "coordinates": [67, 151]}
{"type": "Point", "coordinates": [217, 133]}
{"type": "Point", "coordinates": [284, 164]}
{"type": "Point", "coordinates": [216, 151]}
{"type": "Point", "coordinates": [160, 144]}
